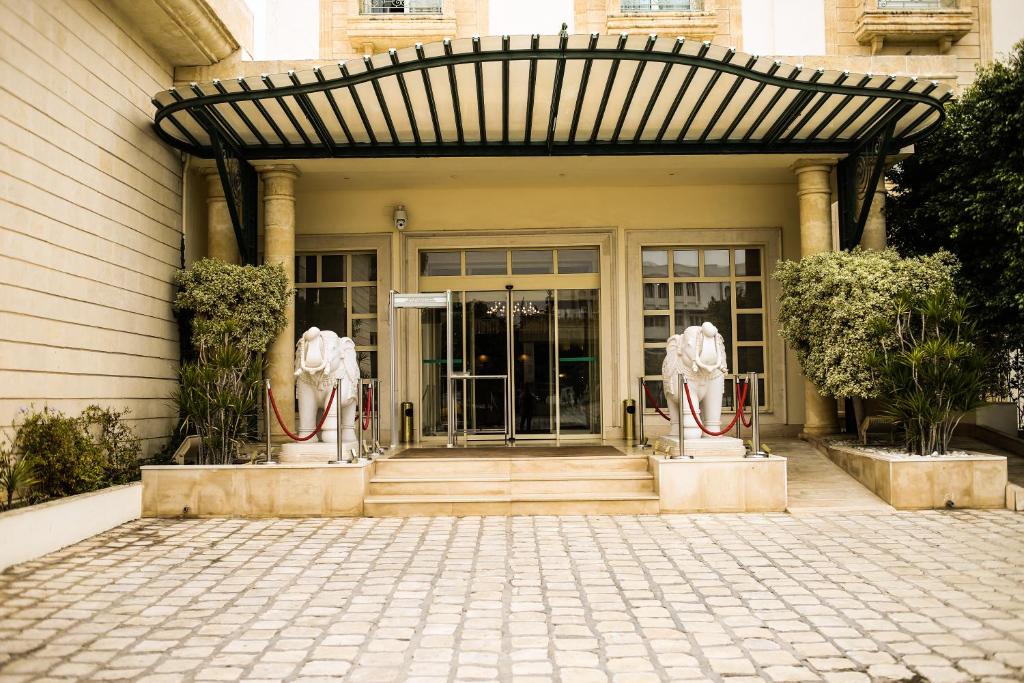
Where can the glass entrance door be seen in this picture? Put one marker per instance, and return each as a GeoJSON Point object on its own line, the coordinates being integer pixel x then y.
{"type": "Point", "coordinates": [545, 340]}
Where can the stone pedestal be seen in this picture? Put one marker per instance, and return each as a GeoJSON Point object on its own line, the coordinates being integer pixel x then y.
{"type": "Point", "coordinates": [713, 446]}
{"type": "Point", "coordinates": [314, 453]}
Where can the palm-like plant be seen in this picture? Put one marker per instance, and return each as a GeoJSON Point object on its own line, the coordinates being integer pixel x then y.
{"type": "Point", "coordinates": [16, 475]}
{"type": "Point", "coordinates": [218, 399]}
{"type": "Point", "coordinates": [931, 371]}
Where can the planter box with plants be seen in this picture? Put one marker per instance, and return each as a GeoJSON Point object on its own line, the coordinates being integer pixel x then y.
{"type": "Point", "coordinates": [874, 326]}
{"type": "Point", "coordinates": [65, 478]}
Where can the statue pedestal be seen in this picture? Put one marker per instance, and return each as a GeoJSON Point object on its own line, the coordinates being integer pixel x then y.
{"type": "Point", "coordinates": [717, 445]}
{"type": "Point", "coordinates": [316, 452]}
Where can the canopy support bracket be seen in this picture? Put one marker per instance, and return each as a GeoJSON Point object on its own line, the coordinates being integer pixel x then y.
{"type": "Point", "coordinates": [240, 183]}
{"type": "Point", "coordinates": [857, 177]}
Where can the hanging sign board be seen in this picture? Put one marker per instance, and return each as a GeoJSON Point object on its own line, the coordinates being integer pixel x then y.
{"type": "Point", "coordinates": [421, 300]}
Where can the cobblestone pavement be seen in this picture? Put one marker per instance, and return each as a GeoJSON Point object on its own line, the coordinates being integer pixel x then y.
{"type": "Point", "coordinates": [853, 596]}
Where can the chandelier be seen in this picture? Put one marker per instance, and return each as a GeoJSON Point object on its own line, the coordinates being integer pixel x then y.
{"type": "Point", "coordinates": [519, 308]}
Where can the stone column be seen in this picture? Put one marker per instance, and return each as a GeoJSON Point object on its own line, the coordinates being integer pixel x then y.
{"type": "Point", "coordinates": [220, 233]}
{"type": "Point", "coordinates": [874, 228]}
{"type": "Point", "coordinates": [279, 247]}
{"type": "Point", "coordinates": [814, 191]}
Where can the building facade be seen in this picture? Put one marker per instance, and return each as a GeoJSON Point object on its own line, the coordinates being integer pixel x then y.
{"type": "Point", "coordinates": [569, 271]}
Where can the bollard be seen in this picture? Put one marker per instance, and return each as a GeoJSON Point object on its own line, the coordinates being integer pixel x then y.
{"type": "Point", "coordinates": [628, 419]}
{"type": "Point", "coordinates": [641, 440]}
{"type": "Point", "coordinates": [407, 422]}
{"type": "Point", "coordinates": [755, 421]}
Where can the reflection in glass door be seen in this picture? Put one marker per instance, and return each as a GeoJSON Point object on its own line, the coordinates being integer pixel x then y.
{"type": "Point", "coordinates": [548, 347]}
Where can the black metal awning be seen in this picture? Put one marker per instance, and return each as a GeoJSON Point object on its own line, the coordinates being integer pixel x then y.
{"type": "Point", "coordinates": [549, 95]}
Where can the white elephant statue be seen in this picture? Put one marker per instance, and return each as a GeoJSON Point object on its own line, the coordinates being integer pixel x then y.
{"type": "Point", "coordinates": [699, 355]}
{"type": "Point", "coordinates": [321, 357]}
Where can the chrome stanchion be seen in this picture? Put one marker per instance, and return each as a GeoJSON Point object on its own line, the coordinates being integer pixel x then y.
{"type": "Point", "coordinates": [267, 410]}
{"type": "Point", "coordinates": [682, 417]}
{"type": "Point", "coordinates": [739, 408]}
{"type": "Point", "coordinates": [641, 440]}
{"type": "Point", "coordinates": [755, 421]}
{"type": "Point", "coordinates": [340, 456]}
{"type": "Point", "coordinates": [359, 420]}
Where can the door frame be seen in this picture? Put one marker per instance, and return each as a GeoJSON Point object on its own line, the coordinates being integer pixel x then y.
{"type": "Point", "coordinates": [608, 344]}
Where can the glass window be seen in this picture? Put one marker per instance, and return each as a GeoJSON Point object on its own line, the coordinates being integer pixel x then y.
{"type": "Point", "coordinates": [333, 302]}
{"type": "Point", "coordinates": [440, 263]}
{"type": "Point", "coordinates": [654, 262]}
{"type": "Point", "coordinates": [706, 290]}
{"type": "Point", "coordinates": [655, 296]}
{"type": "Point", "coordinates": [333, 268]}
{"type": "Point", "coordinates": [364, 268]}
{"type": "Point", "coordinates": [656, 328]}
{"type": "Point", "coordinates": [486, 262]}
{"type": "Point", "coordinates": [305, 268]}
{"type": "Point", "coordinates": [716, 262]}
{"type": "Point", "coordinates": [748, 262]}
{"type": "Point", "coordinates": [684, 263]}
{"type": "Point", "coordinates": [579, 260]}
{"type": "Point", "coordinates": [533, 261]}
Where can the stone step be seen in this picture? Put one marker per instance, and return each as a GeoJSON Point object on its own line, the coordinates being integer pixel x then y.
{"type": "Point", "coordinates": [524, 504]}
{"type": "Point", "coordinates": [516, 483]}
{"type": "Point", "coordinates": [504, 466]}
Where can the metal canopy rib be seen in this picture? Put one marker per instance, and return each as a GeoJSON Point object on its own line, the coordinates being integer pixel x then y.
{"type": "Point", "coordinates": [783, 110]}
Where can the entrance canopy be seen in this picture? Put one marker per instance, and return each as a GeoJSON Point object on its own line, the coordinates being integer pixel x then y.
{"type": "Point", "coordinates": [549, 95]}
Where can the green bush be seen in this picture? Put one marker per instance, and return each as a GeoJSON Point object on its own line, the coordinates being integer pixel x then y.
{"type": "Point", "coordinates": [246, 304]}
{"type": "Point", "coordinates": [64, 460]}
{"type": "Point", "coordinates": [218, 398]}
{"type": "Point", "coordinates": [931, 369]}
{"type": "Point", "coordinates": [835, 307]}
{"type": "Point", "coordinates": [119, 443]}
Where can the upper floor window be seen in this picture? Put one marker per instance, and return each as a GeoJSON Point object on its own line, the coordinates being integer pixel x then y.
{"type": "Point", "coordinates": [402, 6]}
{"type": "Point", "coordinates": [661, 5]}
{"type": "Point", "coordinates": [917, 4]}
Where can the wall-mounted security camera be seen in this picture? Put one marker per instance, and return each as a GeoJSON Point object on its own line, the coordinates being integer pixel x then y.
{"type": "Point", "coordinates": [401, 217]}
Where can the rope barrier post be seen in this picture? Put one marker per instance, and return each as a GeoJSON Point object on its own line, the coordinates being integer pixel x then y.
{"type": "Point", "coordinates": [359, 421]}
{"type": "Point", "coordinates": [641, 442]}
{"type": "Point", "coordinates": [682, 420]}
{"type": "Point", "coordinates": [755, 418]}
{"type": "Point", "coordinates": [739, 408]}
{"type": "Point", "coordinates": [266, 418]}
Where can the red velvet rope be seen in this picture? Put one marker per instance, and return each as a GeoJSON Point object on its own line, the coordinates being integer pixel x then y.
{"type": "Point", "coordinates": [296, 437]}
{"type": "Point", "coordinates": [367, 406]}
{"type": "Point", "coordinates": [743, 418]}
{"type": "Point", "coordinates": [739, 410]}
{"type": "Point", "coordinates": [652, 402]}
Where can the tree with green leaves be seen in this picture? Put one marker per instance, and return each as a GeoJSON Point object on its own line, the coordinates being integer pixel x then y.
{"type": "Point", "coordinates": [963, 191]}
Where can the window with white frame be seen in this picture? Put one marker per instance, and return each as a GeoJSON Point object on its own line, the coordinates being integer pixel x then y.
{"type": "Point", "coordinates": [685, 286]}
{"type": "Point", "coordinates": [338, 291]}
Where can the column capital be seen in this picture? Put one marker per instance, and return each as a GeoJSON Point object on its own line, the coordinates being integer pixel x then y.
{"type": "Point", "coordinates": [277, 170]}
{"type": "Point", "coordinates": [214, 186]}
{"type": "Point", "coordinates": [804, 165]}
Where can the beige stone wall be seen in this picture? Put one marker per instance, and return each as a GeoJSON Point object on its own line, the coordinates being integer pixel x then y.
{"type": "Point", "coordinates": [924, 58]}
{"type": "Point", "coordinates": [90, 225]}
{"type": "Point", "coordinates": [594, 16]}
{"type": "Point", "coordinates": [345, 33]}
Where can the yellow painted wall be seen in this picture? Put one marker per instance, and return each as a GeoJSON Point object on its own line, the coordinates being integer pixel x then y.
{"type": "Point", "coordinates": [90, 225]}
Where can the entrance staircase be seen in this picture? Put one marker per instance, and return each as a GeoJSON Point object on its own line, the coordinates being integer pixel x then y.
{"type": "Point", "coordinates": [502, 485]}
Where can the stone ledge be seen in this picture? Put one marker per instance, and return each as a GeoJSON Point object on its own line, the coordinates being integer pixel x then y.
{"type": "Point", "coordinates": [720, 484]}
{"type": "Point", "coordinates": [942, 27]}
{"type": "Point", "coordinates": [292, 490]}
{"type": "Point", "coordinates": [912, 482]}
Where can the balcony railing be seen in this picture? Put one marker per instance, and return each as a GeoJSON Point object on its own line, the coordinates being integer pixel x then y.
{"type": "Point", "coordinates": [401, 7]}
{"type": "Point", "coordinates": [661, 5]}
{"type": "Point", "coordinates": [917, 4]}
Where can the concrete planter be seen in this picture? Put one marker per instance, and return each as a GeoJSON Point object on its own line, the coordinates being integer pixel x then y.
{"type": "Point", "coordinates": [913, 482]}
{"type": "Point", "coordinates": [31, 532]}
{"type": "Point", "coordinates": [292, 490]}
